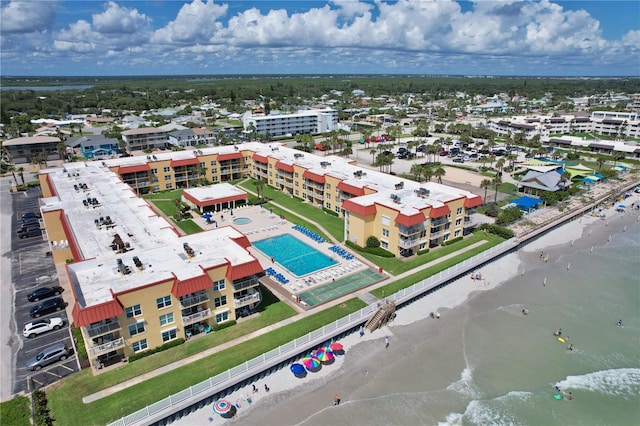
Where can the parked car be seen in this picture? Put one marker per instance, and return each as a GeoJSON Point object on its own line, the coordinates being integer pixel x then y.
{"type": "Point", "coordinates": [30, 221]}
{"type": "Point", "coordinates": [30, 231]}
{"type": "Point", "coordinates": [28, 215]}
{"type": "Point", "coordinates": [458, 160]}
{"type": "Point", "coordinates": [444, 153]}
{"type": "Point", "coordinates": [44, 293]}
{"type": "Point", "coordinates": [32, 329]}
{"type": "Point", "coordinates": [46, 307]}
{"type": "Point", "coordinates": [57, 352]}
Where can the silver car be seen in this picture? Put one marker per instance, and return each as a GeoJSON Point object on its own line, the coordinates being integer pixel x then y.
{"type": "Point", "coordinates": [32, 329]}
{"type": "Point", "coordinates": [57, 352]}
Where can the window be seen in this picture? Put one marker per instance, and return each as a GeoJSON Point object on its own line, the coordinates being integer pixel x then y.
{"type": "Point", "coordinates": [385, 232]}
{"type": "Point", "coordinates": [169, 335]}
{"type": "Point", "coordinates": [133, 311]}
{"type": "Point", "coordinates": [328, 205]}
{"type": "Point", "coordinates": [459, 211]}
{"type": "Point", "coordinates": [203, 165]}
{"type": "Point", "coordinates": [219, 285]}
{"type": "Point", "coordinates": [304, 186]}
{"type": "Point", "coordinates": [297, 192]}
{"type": "Point", "coordinates": [457, 233]}
{"type": "Point", "coordinates": [384, 244]}
{"type": "Point", "coordinates": [136, 328]}
{"type": "Point", "coordinates": [167, 169]}
{"type": "Point", "coordinates": [163, 302]}
{"type": "Point", "coordinates": [166, 319]}
{"type": "Point", "coordinates": [167, 177]}
{"type": "Point", "coordinates": [213, 163]}
{"type": "Point", "coordinates": [220, 301]}
{"type": "Point", "coordinates": [222, 316]}
{"type": "Point", "coordinates": [458, 222]}
{"type": "Point", "coordinates": [154, 171]}
{"type": "Point", "coordinates": [422, 246]}
{"type": "Point", "coordinates": [445, 237]}
{"type": "Point", "coordinates": [169, 186]}
{"type": "Point", "coordinates": [297, 183]}
{"type": "Point", "coordinates": [386, 221]}
{"type": "Point", "coordinates": [423, 233]}
{"type": "Point", "coordinates": [296, 175]}
{"type": "Point", "coordinates": [328, 186]}
{"type": "Point", "coordinates": [337, 209]}
{"type": "Point", "coordinates": [140, 345]}
{"type": "Point", "coordinates": [214, 170]}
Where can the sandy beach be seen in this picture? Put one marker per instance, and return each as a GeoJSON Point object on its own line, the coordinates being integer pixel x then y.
{"type": "Point", "coordinates": [294, 400]}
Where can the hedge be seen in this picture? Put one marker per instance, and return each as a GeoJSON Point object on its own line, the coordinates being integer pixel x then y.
{"type": "Point", "coordinates": [377, 251]}
{"type": "Point", "coordinates": [497, 230]}
{"type": "Point", "coordinates": [455, 240]}
{"type": "Point", "coordinates": [331, 212]}
{"type": "Point", "coordinates": [224, 325]}
{"type": "Point", "coordinates": [164, 347]}
{"type": "Point", "coordinates": [421, 252]}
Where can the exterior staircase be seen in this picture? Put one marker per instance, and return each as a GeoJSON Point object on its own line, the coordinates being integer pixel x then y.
{"type": "Point", "coordinates": [383, 315]}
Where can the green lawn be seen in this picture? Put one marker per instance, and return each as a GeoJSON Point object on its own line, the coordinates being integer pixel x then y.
{"type": "Point", "coordinates": [167, 207]}
{"type": "Point", "coordinates": [65, 400]}
{"type": "Point", "coordinates": [167, 195]}
{"type": "Point", "coordinates": [397, 266]}
{"type": "Point", "coordinates": [188, 226]}
{"type": "Point", "coordinates": [405, 282]}
{"type": "Point", "coordinates": [16, 412]}
{"type": "Point", "coordinates": [334, 225]}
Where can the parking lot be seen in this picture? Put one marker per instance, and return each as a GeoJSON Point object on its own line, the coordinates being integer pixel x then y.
{"type": "Point", "coordinates": [32, 268]}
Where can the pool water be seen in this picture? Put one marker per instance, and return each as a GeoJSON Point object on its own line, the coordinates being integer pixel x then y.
{"type": "Point", "coordinates": [299, 258]}
{"type": "Point", "coordinates": [241, 220]}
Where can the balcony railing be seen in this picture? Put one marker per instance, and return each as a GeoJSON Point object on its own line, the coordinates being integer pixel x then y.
{"type": "Point", "coordinates": [194, 299]}
{"type": "Point", "coordinates": [96, 350]}
{"type": "Point", "coordinates": [244, 283]}
{"type": "Point", "coordinates": [404, 230]}
{"type": "Point", "coordinates": [103, 328]}
{"type": "Point", "coordinates": [246, 300]}
{"type": "Point", "coordinates": [408, 243]}
{"type": "Point", "coordinates": [435, 235]}
{"type": "Point", "coordinates": [198, 316]}
{"type": "Point", "coordinates": [440, 221]}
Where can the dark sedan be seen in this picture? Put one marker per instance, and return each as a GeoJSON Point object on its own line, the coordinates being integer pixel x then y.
{"type": "Point", "coordinates": [44, 293]}
{"type": "Point", "coordinates": [46, 307]}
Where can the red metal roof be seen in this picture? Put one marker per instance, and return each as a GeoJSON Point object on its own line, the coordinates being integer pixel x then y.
{"type": "Point", "coordinates": [260, 158]}
{"type": "Point", "coordinates": [242, 241]}
{"type": "Point", "coordinates": [471, 202]}
{"type": "Point", "coordinates": [439, 211]}
{"type": "Point", "coordinates": [232, 156]}
{"type": "Point", "coordinates": [410, 220]}
{"type": "Point", "coordinates": [350, 189]}
{"type": "Point", "coordinates": [286, 167]}
{"type": "Point", "coordinates": [85, 316]}
{"type": "Point", "coordinates": [187, 162]}
{"type": "Point", "coordinates": [313, 176]}
{"type": "Point", "coordinates": [359, 209]}
{"type": "Point", "coordinates": [133, 169]}
{"type": "Point", "coordinates": [192, 285]}
{"type": "Point", "coordinates": [68, 232]}
{"type": "Point", "coordinates": [244, 270]}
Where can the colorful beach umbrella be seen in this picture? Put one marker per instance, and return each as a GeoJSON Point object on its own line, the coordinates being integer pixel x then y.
{"type": "Point", "coordinates": [310, 362]}
{"type": "Point", "coordinates": [297, 369]}
{"type": "Point", "coordinates": [222, 407]}
{"type": "Point", "coordinates": [324, 354]}
{"type": "Point", "coordinates": [335, 346]}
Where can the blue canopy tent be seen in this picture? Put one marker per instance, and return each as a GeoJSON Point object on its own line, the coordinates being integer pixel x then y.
{"type": "Point", "coordinates": [527, 203]}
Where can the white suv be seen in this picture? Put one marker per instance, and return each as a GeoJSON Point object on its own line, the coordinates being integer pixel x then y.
{"type": "Point", "coordinates": [32, 329]}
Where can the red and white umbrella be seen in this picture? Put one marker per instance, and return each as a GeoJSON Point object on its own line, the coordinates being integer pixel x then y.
{"type": "Point", "coordinates": [222, 407]}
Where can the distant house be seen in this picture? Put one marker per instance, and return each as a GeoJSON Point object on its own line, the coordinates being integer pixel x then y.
{"type": "Point", "coordinates": [26, 149]}
{"type": "Point", "coordinates": [534, 183]}
{"type": "Point", "coordinates": [95, 147]}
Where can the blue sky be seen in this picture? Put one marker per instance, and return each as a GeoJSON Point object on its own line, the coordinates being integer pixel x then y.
{"type": "Point", "coordinates": [507, 37]}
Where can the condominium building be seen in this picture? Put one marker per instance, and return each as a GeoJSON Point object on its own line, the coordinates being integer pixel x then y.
{"type": "Point", "coordinates": [135, 282]}
{"type": "Point", "coordinates": [306, 121]}
{"type": "Point", "coordinates": [144, 138]}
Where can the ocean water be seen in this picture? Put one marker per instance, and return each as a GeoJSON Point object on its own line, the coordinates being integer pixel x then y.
{"type": "Point", "coordinates": [485, 363]}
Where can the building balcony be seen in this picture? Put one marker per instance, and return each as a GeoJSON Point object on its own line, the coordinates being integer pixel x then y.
{"type": "Point", "coordinates": [103, 328]}
{"type": "Point", "coordinates": [244, 283]}
{"type": "Point", "coordinates": [246, 300]}
{"type": "Point", "coordinates": [410, 230]}
{"type": "Point", "coordinates": [439, 221]}
{"type": "Point", "coordinates": [408, 243]}
{"type": "Point", "coordinates": [198, 316]}
{"type": "Point", "coordinates": [96, 350]}
{"type": "Point", "coordinates": [435, 235]}
{"type": "Point", "coordinates": [193, 299]}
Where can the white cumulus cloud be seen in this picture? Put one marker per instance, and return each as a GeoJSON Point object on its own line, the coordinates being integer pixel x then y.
{"type": "Point", "coordinates": [118, 20]}
{"type": "Point", "coordinates": [195, 23]}
{"type": "Point", "coordinates": [27, 17]}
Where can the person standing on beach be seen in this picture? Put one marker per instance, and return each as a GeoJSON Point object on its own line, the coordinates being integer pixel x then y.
{"type": "Point", "coordinates": [386, 342]}
{"type": "Point", "coordinates": [361, 332]}
{"type": "Point", "coordinates": [336, 400]}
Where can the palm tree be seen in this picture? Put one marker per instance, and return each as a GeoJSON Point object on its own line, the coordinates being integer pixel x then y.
{"type": "Point", "coordinates": [486, 183]}
{"type": "Point", "coordinates": [500, 165]}
{"type": "Point", "coordinates": [416, 171]}
{"type": "Point", "coordinates": [617, 156]}
{"type": "Point", "coordinates": [427, 172]}
{"type": "Point", "coordinates": [178, 204]}
{"type": "Point", "coordinates": [259, 184]}
{"type": "Point", "coordinates": [439, 172]}
{"type": "Point", "coordinates": [496, 181]}
{"type": "Point", "coordinates": [21, 172]}
{"type": "Point", "coordinates": [600, 160]}
{"type": "Point", "coordinates": [373, 154]}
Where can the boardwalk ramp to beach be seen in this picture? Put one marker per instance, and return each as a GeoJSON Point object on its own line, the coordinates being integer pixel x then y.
{"type": "Point", "coordinates": [382, 316]}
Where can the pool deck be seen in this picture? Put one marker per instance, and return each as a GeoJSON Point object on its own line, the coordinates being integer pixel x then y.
{"type": "Point", "coordinates": [265, 225]}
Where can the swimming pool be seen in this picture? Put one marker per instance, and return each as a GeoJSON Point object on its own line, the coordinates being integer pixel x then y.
{"type": "Point", "coordinates": [298, 257]}
{"type": "Point", "coordinates": [241, 221]}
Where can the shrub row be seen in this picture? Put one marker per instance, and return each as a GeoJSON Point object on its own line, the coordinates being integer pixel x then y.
{"type": "Point", "coordinates": [377, 251]}
{"type": "Point", "coordinates": [224, 325]}
{"type": "Point", "coordinates": [42, 417]}
{"type": "Point", "coordinates": [497, 230]}
{"type": "Point", "coordinates": [164, 347]}
{"type": "Point", "coordinates": [421, 252]}
{"type": "Point", "coordinates": [455, 240]}
{"type": "Point", "coordinates": [331, 212]}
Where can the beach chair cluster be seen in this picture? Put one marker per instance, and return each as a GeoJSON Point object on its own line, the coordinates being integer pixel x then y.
{"type": "Point", "coordinates": [276, 275]}
{"type": "Point", "coordinates": [309, 233]}
{"type": "Point", "coordinates": [265, 229]}
{"type": "Point", "coordinates": [342, 252]}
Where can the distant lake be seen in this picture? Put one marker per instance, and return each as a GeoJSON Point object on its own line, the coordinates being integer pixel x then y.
{"type": "Point", "coordinates": [49, 88]}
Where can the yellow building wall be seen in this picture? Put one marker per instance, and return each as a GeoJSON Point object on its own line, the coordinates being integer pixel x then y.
{"type": "Point", "coordinates": [298, 181]}
{"type": "Point", "coordinates": [360, 228]}
{"type": "Point", "coordinates": [216, 275]}
{"type": "Point", "coordinates": [330, 194]}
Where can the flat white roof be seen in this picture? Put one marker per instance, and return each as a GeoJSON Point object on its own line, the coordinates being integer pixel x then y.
{"type": "Point", "coordinates": [214, 192]}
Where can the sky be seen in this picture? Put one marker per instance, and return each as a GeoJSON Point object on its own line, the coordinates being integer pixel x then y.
{"type": "Point", "coordinates": [207, 37]}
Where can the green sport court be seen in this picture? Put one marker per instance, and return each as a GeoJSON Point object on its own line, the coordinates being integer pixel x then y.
{"type": "Point", "coordinates": [339, 287]}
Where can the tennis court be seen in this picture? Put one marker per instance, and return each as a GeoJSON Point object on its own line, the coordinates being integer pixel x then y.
{"type": "Point", "coordinates": [341, 286]}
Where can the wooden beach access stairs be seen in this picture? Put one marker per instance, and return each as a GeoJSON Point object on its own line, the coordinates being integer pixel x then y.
{"type": "Point", "coordinates": [382, 316]}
